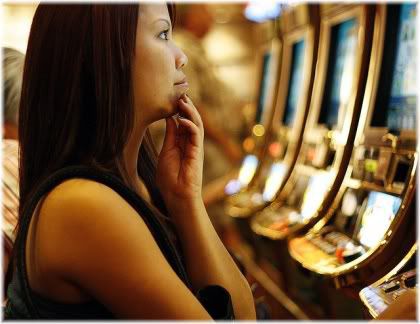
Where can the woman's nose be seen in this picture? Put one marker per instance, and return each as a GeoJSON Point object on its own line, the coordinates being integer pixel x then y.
{"type": "Point", "coordinates": [181, 59]}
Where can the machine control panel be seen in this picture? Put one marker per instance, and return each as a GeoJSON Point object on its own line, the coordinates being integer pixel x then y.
{"type": "Point", "coordinates": [377, 297]}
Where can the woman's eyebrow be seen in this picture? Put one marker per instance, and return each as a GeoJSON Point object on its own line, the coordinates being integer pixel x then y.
{"type": "Point", "coordinates": [163, 19]}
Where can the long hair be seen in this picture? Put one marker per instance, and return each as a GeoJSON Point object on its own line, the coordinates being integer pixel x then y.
{"type": "Point", "coordinates": [77, 95]}
{"type": "Point", "coordinates": [77, 98]}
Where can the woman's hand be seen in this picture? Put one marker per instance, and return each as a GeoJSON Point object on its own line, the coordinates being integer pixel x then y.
{"type": "Point", "coordinates": [180, 163]}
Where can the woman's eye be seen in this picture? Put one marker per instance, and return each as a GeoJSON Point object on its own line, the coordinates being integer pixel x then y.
{"type": "Point", "coordinates": [164, 35]}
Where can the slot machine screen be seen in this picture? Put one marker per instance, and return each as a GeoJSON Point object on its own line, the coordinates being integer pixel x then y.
{"type": "Point", "coordinates": [246, 172]}
{"type": "Point", "coordinates": [379, 213]}
{"type": "Point", "coordinates": [295, 83]}
{"type": "Point", "coordinates": [248, 169]}
{"type": "Point", "coordinates": [340, 71]}
{"type": "Point", "coordinates": [264, 87]}
{"type": "Point", "coordinates": [314, 194]}
{"type": "Point", "coordinates": [274, 180]}
{"type": "Point", "coordinates": [403, 100]}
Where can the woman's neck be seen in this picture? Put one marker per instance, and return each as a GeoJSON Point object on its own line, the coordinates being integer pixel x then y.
{"type": "Point", "coordinates": [130, 158]}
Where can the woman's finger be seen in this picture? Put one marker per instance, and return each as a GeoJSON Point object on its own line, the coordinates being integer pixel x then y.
{"type": "Point", "coordinates": [189, 111]}
{"type": "Point", "coordinates": [193, 130]}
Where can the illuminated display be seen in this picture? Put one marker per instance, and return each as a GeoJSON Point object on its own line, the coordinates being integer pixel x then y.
{"type": "Point", "coordinates": [247, 171]}
{"type": "Point", "coordinates": [274, 180]}
{"type": "Point", "coordinates": [340, 72]}
{"type": "Point", "coordinates": [264, 88]}
{"type": "Point", "coordinates": [295, 83]}
{"type": "Point", "coordinates": [259, 11]}
{"type": "Point", "coordinates": [403, 99]}
{"type": "Point", "coordinates": [380, 211]}
{"type": "Point", "coordinates": [314, 194]}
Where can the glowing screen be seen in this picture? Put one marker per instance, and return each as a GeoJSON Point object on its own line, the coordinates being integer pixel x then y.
{"type": "Point", "coordinates": [340, 71]}
{"type": "Point", "coordinates": [403, 99]}
{"type": "Point", "coordinates": [259, 11]}
{"type": "Point", "coordinates": [274, 180]}
{"type": "Point", "coordinates": [378, 215]}
{"type": "Point", "coordinates": [315, 193]}
{"type": "Point", "coordinates": [264, 88]}
{"type": "Point", "coordinates": [247, 170]}
{"type": "Point", "coordinates": [295, 83]}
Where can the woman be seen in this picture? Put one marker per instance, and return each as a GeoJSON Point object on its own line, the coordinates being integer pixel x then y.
{"type": "Point", "coordinates": [103, 231]}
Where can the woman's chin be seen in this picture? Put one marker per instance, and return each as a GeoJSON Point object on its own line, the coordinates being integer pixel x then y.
{"type": "Point", "coordinates": [167, 112]}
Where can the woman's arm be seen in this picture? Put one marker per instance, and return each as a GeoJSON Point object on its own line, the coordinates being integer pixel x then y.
{"type": "Point", "coordinates": [208, 261]}
{"type": "Point", "coordinates": [179, 176]}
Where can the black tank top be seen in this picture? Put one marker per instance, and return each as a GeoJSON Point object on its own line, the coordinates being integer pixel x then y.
{"type": "Point", "coordinates": [23, 302]}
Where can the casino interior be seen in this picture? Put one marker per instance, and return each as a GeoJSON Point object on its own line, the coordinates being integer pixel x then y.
{"type": "Point", "coordinates": [319, 207]}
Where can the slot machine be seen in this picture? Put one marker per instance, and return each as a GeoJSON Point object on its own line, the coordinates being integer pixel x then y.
{"type": "Point", "coordinates": [379, 295]}
{"type": "Point", "coordinates": [300, 31]}
{"type": "Point", "coordinates": [340, 78]}
{"type": "Point", "coordinates": [372, 220]}
{"type": "Point", "coordinates": [269, 65]}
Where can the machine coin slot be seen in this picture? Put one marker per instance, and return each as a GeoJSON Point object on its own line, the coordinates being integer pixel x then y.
{"type": "Point", "coordinates": [410, 282]}
{"type": "Point", "coordinates": [392, 286]}
{"type": "Point", "coordinates": [402, 170]}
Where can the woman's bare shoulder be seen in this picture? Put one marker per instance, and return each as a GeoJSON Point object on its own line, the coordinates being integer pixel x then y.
{"type": "Point", "coordinates": [79, 210]}
{"type": "Point", "coordinates": [82, 191]}
{"type": "Point", "coordinates": [102, 245]}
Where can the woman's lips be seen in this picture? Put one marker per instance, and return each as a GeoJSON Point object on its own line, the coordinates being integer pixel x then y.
{"type": "Point", "coordinates": [183, 84]}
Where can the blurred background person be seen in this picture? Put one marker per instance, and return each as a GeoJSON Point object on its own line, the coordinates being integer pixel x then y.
{"type": "Point", "coordinates": [13, 62]}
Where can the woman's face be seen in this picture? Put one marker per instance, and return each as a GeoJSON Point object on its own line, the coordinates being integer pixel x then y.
{"type": "Point", "coordinates": [158, 80]}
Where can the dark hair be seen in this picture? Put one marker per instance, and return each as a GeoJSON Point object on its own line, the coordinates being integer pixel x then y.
{"type": "Point", "coordinates": [77, 96]}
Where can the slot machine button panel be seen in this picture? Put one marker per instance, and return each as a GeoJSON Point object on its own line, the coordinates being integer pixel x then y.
{"type": "Point", "coordinates": [392, 286]}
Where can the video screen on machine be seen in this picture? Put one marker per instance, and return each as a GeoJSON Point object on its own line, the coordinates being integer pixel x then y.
{"type": "Point", "coordinates": [264, 88]}
{"type": "Point", "coordinates": [248, 168]}
{"type": "Point", "coordinates": [295, 82]}
{"type": "Point", "coordinates": [246, 172]}
{"type": "Point", "coordinates": [340, 72]}
{"type": "Point", "coordinates": [377, 217]}
{"type": "Point", "coordinates": [314, 194]}
{"type": "Point", "coordinates": [274, 180]}
{"type": "Point", "coordinates": [403, 97]}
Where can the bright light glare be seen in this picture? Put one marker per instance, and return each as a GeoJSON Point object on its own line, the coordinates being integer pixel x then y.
{"type": "Point", "coordinates": [314, 194]}
{"type": "Point", "coordinates": [380, 212]}
{"type": "Point", "coordinates": [232, 187]}
{"type": "Point", "coordinates": [274, 181]}
{"type": "Point", "coordinates": [247, 171]}
{"type": "Point", "coordinates": [258, 130]}
{"type": "Point", "coordinates": [260, 11]}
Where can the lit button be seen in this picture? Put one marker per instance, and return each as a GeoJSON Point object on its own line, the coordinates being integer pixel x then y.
{"type": "Point", "coordinates": [258, 130]}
